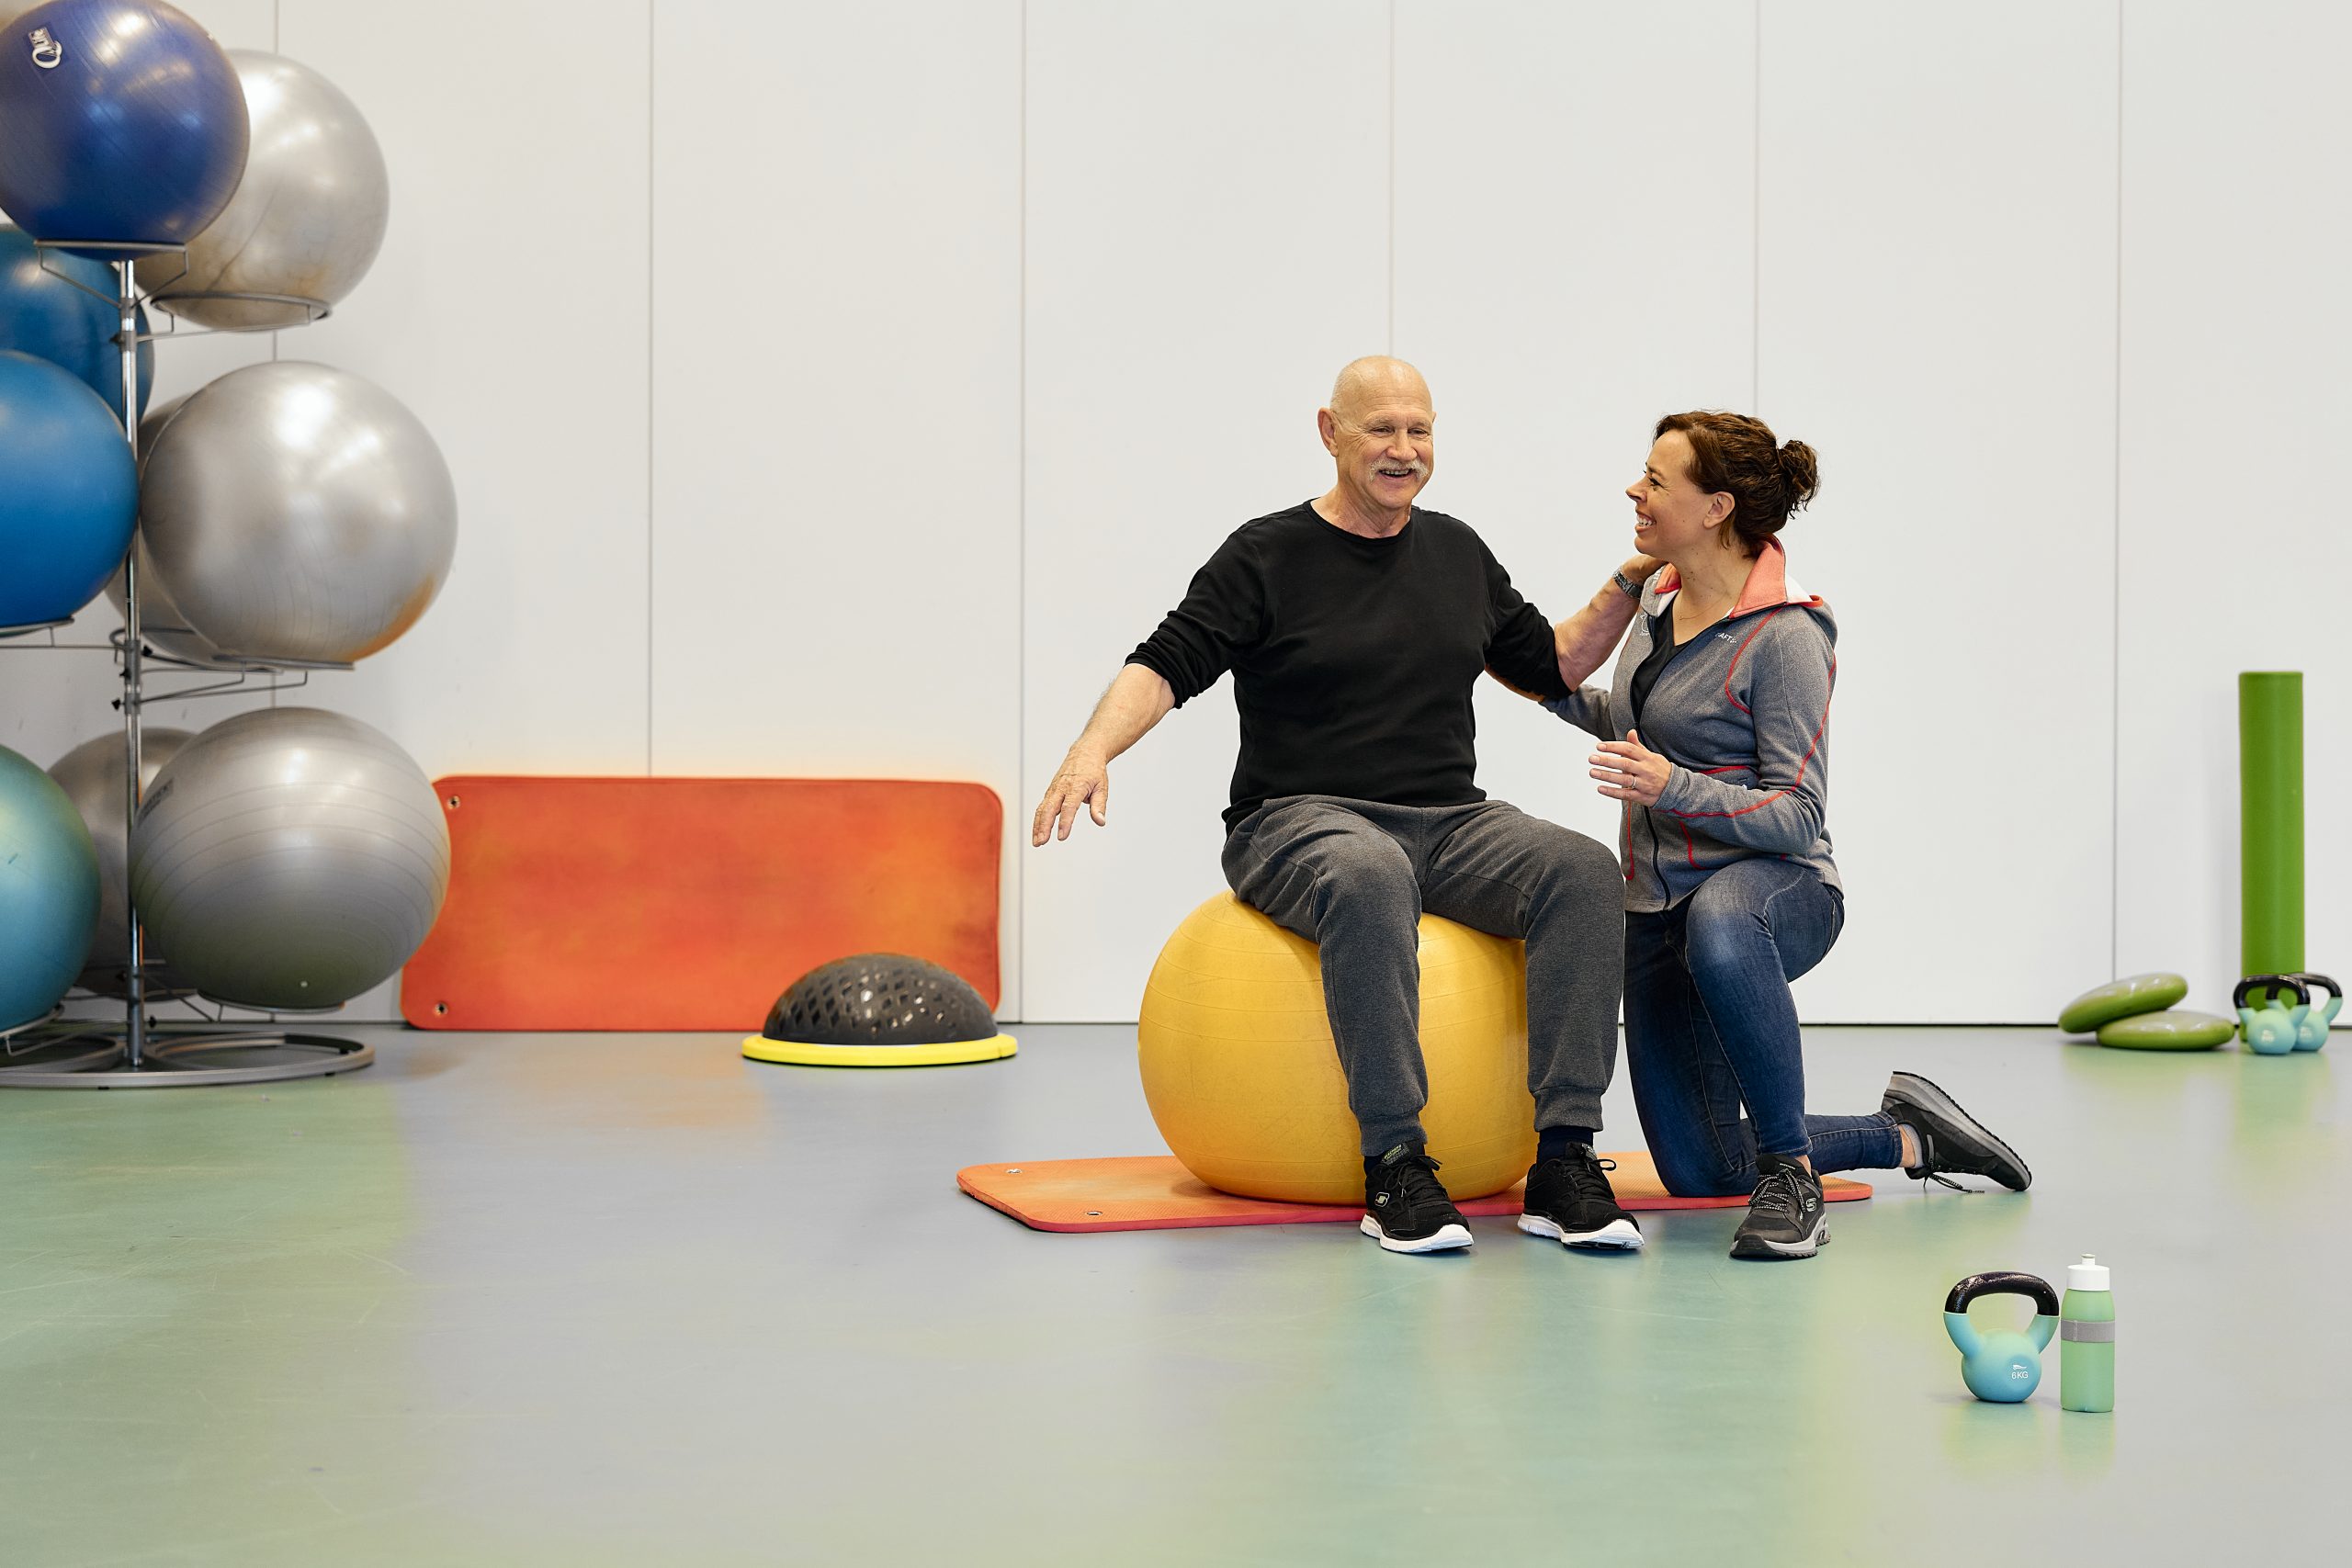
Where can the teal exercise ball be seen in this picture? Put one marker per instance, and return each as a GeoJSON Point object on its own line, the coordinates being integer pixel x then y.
{"type": "Point", "coordinates": [69, 492]}
{"type": "Point", "coordinates": [50, 308]}
{"type": "Point", "coordinates": [49, 891]}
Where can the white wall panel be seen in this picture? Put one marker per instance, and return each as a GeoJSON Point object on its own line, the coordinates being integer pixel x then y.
{"type": "Point", "coordinates": [837, 396]}
{"type": "Point", "coordinates": [1561, 285]}
{"type": "Point", "coordinates": [2236, 333]}
{"type": "Point", "coordinates": [1207, 244]}
{"type": "Point", "coordinates": [1937, 294]}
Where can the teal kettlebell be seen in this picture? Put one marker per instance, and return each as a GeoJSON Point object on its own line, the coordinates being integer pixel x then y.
{"type": "Point", "coordinates": [2272, 1029]}
{"type": "Point", "coordinates": [2316, 1021]}
{"type": "Point", "coordinates": [2005, 1366]}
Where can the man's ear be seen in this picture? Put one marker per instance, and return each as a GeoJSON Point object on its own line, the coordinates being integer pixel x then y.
{"type": "Point", "coordinates": [1326, 425]}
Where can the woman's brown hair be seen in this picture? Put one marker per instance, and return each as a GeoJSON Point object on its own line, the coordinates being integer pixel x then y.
{"type": "Point", "coordinates": [1736, 455]}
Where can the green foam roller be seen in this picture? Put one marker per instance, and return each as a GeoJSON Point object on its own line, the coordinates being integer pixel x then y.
{"type": "Point", "coordinates": [2127, 998]}
{"type": "Point", "coordinates": [2270, 821]}
{"type": "Point", "coordinates": [2167, 1031]}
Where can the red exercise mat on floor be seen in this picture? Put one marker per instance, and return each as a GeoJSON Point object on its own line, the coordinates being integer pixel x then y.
{"type": "Point", "coordinates": [587, 903]}
{"type": "Point", "coordinates": [1151, 1192]}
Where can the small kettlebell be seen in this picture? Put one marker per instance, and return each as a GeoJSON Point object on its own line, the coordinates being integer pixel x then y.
{"type": "Point", "coordinates": [2271, 1029]}
{"type": "Point", "coordinates": [2003, 1367]}
{"type": "Point", "coordinates": [2313, 1033]}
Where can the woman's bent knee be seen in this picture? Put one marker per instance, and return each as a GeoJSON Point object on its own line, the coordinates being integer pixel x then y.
{"type": "Point", "coordinates": [1691, 1174]}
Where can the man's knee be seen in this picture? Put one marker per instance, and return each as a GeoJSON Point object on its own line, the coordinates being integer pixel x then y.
{"type": "Point", "coordinates": [1578, 866]}
{"type": "Point", "coordinates": [1365, 875]}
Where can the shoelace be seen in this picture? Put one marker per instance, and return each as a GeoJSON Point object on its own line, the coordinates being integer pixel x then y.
{"type": "Point", "coordinates": [1777, 1195]}
{"type": "Point", "coordinates": [1585, 1177]}
{"type": "Point", "coordinates": [1928, 1171]}
{"type": "Point", "coordinates": [1417, 1181]}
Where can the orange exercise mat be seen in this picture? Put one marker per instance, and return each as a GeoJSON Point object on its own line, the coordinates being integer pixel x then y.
{"type": "Point", "coordinates": [1151, 1192]}
{"type": "Point", "coordinates": [583, 903]}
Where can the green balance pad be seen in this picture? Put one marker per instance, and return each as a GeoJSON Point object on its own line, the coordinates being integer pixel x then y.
{"type": "Point", "coordinates": [2132, 995]}
{"type": "Point", "coordinates": [2167, 1031]}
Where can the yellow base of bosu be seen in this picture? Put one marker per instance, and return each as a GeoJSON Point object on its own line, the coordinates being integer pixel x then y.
{"type": "Point", "coordinates": [1241, 1075]}
{"type": "Point", "coordinates": [759, 1048]}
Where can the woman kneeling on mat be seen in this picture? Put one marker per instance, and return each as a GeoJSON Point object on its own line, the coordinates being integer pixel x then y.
{"type": "Point", "coordinates": [1714, 734]}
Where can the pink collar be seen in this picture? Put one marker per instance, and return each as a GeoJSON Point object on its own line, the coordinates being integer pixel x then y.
{"type": "Point", "coordinates": [1768, 583]}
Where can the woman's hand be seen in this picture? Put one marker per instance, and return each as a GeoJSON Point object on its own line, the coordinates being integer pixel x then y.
{"type": "Point", "coordinates": [1630, 770]}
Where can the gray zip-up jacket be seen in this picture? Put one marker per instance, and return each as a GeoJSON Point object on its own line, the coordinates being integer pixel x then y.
{"type": "Point", "coordinates": [1742, 711]}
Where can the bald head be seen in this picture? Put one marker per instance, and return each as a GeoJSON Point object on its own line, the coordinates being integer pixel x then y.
{"type": "Point", "coordinates": [1381, 434]}
{"type": "Point", "coordinates": [1373, 381]}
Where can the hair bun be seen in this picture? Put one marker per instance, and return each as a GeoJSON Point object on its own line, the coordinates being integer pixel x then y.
{"type": "Point", "coordinates": [1802, 469]}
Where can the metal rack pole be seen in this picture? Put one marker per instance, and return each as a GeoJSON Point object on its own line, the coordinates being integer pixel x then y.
{"type": "Point", "coordinates": [134, 1014]}
{"type": "Point", "coordinates": [65, 1052]}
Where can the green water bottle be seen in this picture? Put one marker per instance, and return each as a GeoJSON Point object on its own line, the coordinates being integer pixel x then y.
{"type": "Point", "coordinates": [2086, 1339]}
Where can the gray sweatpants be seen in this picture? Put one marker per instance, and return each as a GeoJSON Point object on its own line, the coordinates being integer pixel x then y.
{"type": "Point", "coordinates": [1355, 876]}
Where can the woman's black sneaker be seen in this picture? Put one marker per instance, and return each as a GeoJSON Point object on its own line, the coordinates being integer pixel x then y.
{"type": "Point", "coordinates": [1786, 1217]}
{"type": "Point", "coordinates": [1570, 1200]}
{"type": "Point", "coordinates": [1406, 1208]}
{"type": "Point", "coordinates": [1952, 1142]}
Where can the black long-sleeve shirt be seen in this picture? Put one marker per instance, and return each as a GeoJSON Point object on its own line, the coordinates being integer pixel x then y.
{"type": "Point", "coordinates": [1353, 659]}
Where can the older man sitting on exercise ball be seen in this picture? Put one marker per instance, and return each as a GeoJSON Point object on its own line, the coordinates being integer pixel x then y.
{"type": "Point", "coordinates": [1356, 626]}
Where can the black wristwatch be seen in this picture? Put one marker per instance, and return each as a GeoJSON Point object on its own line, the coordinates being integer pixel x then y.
{"type": "Point", "coordinates": [1625, 585]}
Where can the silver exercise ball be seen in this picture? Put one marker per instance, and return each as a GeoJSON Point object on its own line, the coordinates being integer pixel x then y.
{"type": "Point", "coordinates": [297, 512]}
{"type": "Point", "coordinates": [308, 218]}
{"type": "Point", "coordinates": [92, 778]}
{"type": "Point", "coordinates": [289, 858]}
{"type": "Point", "coordinates": [160, 619]}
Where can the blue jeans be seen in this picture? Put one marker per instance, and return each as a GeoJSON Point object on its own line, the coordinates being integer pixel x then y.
{"type": "Point", "coordinates": [1710, 1026]}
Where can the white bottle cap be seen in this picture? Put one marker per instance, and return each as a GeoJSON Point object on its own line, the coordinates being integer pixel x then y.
{"type": "Point", "coordinates": [2087, 1275]}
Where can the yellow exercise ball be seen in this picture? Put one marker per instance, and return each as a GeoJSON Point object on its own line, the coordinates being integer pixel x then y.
{"type": "Point", "coordinates": [1242, 1077]}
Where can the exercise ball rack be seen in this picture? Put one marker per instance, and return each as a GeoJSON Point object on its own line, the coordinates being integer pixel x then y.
{"type": "Point", "coordinates": [139, 1052]}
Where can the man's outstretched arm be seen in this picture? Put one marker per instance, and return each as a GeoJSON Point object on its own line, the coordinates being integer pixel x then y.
{"type": "Point", "coordinates": [1586, 638]}
{"type": "Point", "coordinates": [1138, 699]}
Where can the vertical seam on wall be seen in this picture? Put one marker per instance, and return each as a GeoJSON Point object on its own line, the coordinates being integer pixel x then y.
{"type": "Point", "coordinates": [1391, 345]}
{"type": "Point", "coordinates": [650, 381]}
{"type": "Point", "coordinates": [276, 46]}
{"type": "Point", "coordinates": [1756, 216]}
{"type": "Point", "coordinates": [1020, 493]}
{"type": "Point", "coordinates": [2115, 573]}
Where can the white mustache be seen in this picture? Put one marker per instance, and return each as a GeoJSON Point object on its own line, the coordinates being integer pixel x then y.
{"type": "Point", "coordinates": [1418, 468]}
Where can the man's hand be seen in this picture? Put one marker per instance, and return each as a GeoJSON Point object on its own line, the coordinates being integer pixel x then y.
{"type": "Point", "coordinates": [1083, 780]}
{"type": "Point", "coordinates": [1630, 770]}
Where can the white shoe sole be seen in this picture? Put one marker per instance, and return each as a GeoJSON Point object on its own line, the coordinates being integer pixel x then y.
{"type": "Point", "coordinates": [1445, 1238]}
{"type": "Point", "coordinates": [1769, 1250]}
{"type": "Point", "coordinates": [1617, 1235]}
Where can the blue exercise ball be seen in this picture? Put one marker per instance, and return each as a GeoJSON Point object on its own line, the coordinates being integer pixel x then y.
{"type": "Point", "coordinates": [43, 314]}
{"type": "Point", "coordinates": [70, 495]}
{"type": "Point", "coordinates": [120, 120]}
{"type": "Point", "coordinates": [49, 891]}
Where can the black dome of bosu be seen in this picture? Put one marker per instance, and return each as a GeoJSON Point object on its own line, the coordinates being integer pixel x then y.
{"type": "Point", "coordinates": [879, 1009]}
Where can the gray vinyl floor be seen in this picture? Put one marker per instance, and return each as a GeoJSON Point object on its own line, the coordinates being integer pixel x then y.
{"type": "Point", "coordinates": [619, 1299]}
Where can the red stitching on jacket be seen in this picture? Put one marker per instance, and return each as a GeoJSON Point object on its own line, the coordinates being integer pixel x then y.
{"type": "Point", "coordinates": [1803, 762]}
{"type": "Point", "coordinates": [1761, 622]}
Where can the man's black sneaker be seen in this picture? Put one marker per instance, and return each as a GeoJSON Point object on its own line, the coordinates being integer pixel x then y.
{"type": "Point", "coordinates": [1952, 1142]}
{"type": "Point", "coordinates": [1569, 1200]}
{"type": "Point", "coordinates": [1786, 1217]}
{"type": "Point", "coordinates": [1406, 1208]}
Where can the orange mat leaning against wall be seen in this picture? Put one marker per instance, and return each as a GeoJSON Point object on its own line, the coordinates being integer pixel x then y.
{"type": "Point", "coordinates": [658, 904]}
